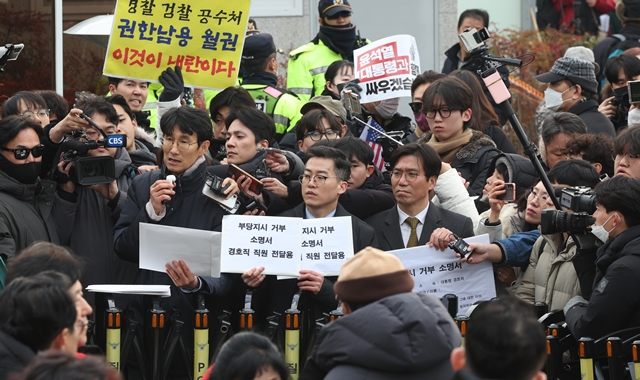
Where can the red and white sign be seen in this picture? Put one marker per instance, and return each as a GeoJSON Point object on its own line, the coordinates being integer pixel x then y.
{"type": "Point", "coordinates": [386, 68]}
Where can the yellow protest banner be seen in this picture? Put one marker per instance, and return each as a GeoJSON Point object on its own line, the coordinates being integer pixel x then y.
{"type": "Point", "coordinates": [203, 37]}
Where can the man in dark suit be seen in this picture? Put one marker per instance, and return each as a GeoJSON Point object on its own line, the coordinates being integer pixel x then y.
{"type": "Point", "coordinates": [325, 177]}
{"type": "Point", "coordinates": [415, 221]}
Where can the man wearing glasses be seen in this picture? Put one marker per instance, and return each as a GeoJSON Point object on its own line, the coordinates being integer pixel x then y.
{"type": "Point", "coordinates": [325, 178]}
{"type": "Point", "coordinates": [416, 221]}
{"type": "Point", "coordinates": [25, 199]}
{"type": "Point", "coordinates": [85, 215]}
{"type": "Point", "coordinates": [335, 41]}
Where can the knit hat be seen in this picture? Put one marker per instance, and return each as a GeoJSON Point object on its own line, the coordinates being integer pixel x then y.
{"type": "Point", "coordinates": [371, 275]}
{"type": "Point", "coordinates": [583, 53]}
{"type": "Point", "coordinates": [328, 103]}
{"type": "Point", "coordinates": [628, 10]}
{"type": "Point", "coordinates": [575, 70]}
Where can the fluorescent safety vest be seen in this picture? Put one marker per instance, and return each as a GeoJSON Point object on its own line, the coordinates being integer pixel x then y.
{"type": "Point", "coordinates": [283, 107]}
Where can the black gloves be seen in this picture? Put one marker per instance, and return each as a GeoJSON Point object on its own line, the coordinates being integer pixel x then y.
{"type": "Point", "coordinates": [173, 84]}
{"type": "Point", "coordinates": [353, 86]}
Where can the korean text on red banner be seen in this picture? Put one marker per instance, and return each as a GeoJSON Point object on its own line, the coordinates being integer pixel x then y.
{"type": "Point", "coordinates": [387, 67]}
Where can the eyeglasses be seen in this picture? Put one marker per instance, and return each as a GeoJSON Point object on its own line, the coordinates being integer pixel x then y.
{"type": "Point", "coordinates": [317, 136]}
{"type": "Point", "coordinates": [319, 180]}
{"type": "Point", "coordinates": [23, 153]}
{"type": "Point", "coordinates": [410, 176]}
{"type": "Point", "coordinates": [415, 106]}
{"type": "Point", "coordinates": [631, 158]}
{"type": "Point", "coordinates": [183, 146]}
{"type": "Point", "coordinates": [343, 14]}
{"type": "Point", "coordinates": [531, 195]}
{"type": "Point", "coordinates": [82, 324]}
{"type": "Point", "coordinates": [444, 113]}
{"type": "Point", "coordinates": [30, 115]}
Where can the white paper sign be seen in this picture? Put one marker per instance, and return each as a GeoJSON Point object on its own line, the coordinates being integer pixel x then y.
{"type": "Point", "coordinates": [148, 290]}
{"type": "Point", "coordinates": [200, 249]}
{"type": "Point", "coordinates": [327, 243]}
{"type": "Point", "coordinates": [387, 67]}
{"type": "Point", "coordinates": [265, 241]}
{"type": "Point", "coordinates": [438, 273]}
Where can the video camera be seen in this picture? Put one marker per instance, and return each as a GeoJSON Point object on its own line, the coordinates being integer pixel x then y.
{"type": "Point", "coordinates": [90, 170]}
{"type": "Point", "coordinates": [473, 39]}
{"type": "Point", "coordinates": [9, 52]}
{"type": "Point", "coordinates": [581, 201]}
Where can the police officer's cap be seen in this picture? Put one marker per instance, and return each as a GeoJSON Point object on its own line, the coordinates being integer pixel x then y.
{"type": "Point", "coordinates": [331, 7]}
{"type": "Point", "coordinates": [258, 46]}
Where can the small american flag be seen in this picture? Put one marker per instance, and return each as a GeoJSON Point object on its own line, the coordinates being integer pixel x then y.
{"type": "Point", "coordinates": [370, 135]}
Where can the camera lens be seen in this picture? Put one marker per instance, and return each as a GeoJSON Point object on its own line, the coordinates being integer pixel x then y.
{"type": "Point", "coordinates": [92, 170]}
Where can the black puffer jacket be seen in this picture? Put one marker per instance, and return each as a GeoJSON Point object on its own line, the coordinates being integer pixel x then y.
{"type": "Point", "coordinates": [188, 208]}
{"type": "Point", "coordinates": [472, 160]}
{"type": "Point", "coordinates": [25, 214]}
{"type": "Point", "coordinates": [404, 336]}
{"type": "Point", "coordinates": [615, 301]}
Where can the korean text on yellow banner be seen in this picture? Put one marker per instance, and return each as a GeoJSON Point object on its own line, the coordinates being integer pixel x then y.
{"type": "Point", "coordinates": [203, 37]}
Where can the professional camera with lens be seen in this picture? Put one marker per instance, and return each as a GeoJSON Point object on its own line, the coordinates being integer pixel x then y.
{"type": "Point", "coordinates": [90, 170]}
{"type": "Point", "coordinates": [578, 199]}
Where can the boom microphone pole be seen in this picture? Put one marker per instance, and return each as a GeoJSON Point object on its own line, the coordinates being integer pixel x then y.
{"type": "Point", "coordinates": [473, 41]}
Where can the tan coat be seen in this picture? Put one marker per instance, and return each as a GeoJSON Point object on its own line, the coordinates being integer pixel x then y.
{"type": "Point", "coordinates": [550, 277]}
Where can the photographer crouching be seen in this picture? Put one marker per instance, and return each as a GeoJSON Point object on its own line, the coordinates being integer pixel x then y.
{"type": "Point", "coordinates": [615, 301]}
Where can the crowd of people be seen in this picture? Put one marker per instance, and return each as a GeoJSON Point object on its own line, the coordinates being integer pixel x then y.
{"type": "Point", "coordinates": [444, 175]}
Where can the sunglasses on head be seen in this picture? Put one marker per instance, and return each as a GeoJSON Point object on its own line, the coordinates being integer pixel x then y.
{"type": "Point", "coordinates": [415, 106]}
{"type": "Point", "coordinates": [23, 153]}
{"type": "Point", "coordinates": [343, 14]}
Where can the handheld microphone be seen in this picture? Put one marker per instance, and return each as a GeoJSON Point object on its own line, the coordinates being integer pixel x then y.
{"type": "Point", "coordinates": [172, 179]}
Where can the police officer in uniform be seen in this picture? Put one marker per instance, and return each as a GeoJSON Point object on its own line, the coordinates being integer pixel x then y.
{"type": "Point", "coordinates": [335, 41]}
{"type": "Point", "coordinates": [259, 67]}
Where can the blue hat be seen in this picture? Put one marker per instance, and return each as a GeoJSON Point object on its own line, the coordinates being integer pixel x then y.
{"type": "Point", "coordinates": [258, 46]}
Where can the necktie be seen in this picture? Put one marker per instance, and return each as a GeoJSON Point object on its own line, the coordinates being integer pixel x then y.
{"type": "Point", "coordinates": [413, 237]}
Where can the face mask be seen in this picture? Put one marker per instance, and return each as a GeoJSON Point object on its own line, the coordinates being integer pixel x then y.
{"type": "Point", "coordinates": [634, 117]}
{"type": "Point", "coordinates": [23, 173]}
{"type": "Point", "coordinates": [421, 121]}
{"type": "Point", "coordinates": [553, 98]}
{"type": "Point", "coordinates": [341, 87]}
{"type": "Point", "coordinates": [599, 231]}
{"type": "Point", "coordinates": [388, 107]}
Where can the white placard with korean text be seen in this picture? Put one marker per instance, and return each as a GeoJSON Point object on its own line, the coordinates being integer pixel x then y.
{"type": "Point", "coordinates": [438, 273]}
{"type": "Point", "coordinates": [327, 243]}
{"type": "Point", "coordinates": [387, 67]}
{"type": "Point", "coordinates": [261, 241]}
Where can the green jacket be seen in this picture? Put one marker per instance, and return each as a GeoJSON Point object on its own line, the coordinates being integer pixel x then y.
{"type": "Point", "coordinates": [307, 65]}
{"type": "Point", "coordinates": [284, 108]}
{"type": "Point", "coordinates": [25, 214]}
